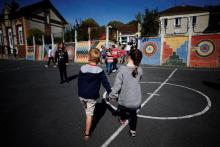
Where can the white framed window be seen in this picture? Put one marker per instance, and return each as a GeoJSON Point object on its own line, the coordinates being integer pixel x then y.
{"type": "Point", "coordinates": [177, 22]}
{"type": "Point", "coordinates": [165, 23]}
{"type": "Point", "coordinates": [1, 38]}
{"type": "Point", "coordinates": [20, 36]}
{"type": "Point", "coordinates": [194, 20]}
{"type": "Point", "coordinates": [10, 38]}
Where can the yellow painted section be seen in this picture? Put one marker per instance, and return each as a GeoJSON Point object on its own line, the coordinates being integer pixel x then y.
{"type": "Point", "coordinates": [175, 42]}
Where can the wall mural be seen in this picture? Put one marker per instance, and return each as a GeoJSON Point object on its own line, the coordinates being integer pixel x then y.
{"type": "Point", "coordinates": [82, 49]}
{"type": "Point", "coordinates": [30, 53]}
{"type": "Point", "coordinates": [151, 48]}
{"type": "Point", "coordinates": [70, 50]}
{"type": "Point", "coordinates": [82, 52]}
{"type": "Point", "coordinates": [175, 50]}
{"type": "Point", "coordinates": [205, 51]}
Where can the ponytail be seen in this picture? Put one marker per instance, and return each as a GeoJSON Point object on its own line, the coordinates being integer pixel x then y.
{"type": "Point", "coordinates": [135, 72]}
{"type": "Point", "coordinates": [136, 56]}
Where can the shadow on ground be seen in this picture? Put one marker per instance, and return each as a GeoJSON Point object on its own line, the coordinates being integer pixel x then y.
{"type": "Point", "coordinates": [73, 77]}
{"type": "Point", "coordinates": [213, 85]}
{"type": "Point", "coordinates": [100, 109]}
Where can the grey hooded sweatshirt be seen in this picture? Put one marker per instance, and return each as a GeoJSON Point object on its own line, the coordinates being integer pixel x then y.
{"type": "Point", "coordinates": [127, 88]}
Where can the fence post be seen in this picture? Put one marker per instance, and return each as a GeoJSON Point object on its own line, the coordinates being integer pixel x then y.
{"type": "Point", "coordinates": [139, 36]}
{"type": "Point", "coordinates": [107, 37]}
{"type": "Point", "coordinates": [75, 45]}
{"type": "Point", "coordinates": [43, 46]}
{"type": "Point", "coordinates": [190, 30]}
{"type": "Point", "coordinates": [26, 48]}
{"type": "Point", "coordinates": [34, 47]}
{"type": "Point", "coordinates": [52, 40]}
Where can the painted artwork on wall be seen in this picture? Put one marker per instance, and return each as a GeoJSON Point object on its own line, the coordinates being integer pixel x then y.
{"type": "Point", "coordinates": [175, 50]}
{"type": "Point", "coordinates": [30, 53]}
{"type": "Point", "coordinates": [70, 50]}
{"type": "Point", "coordinates": [151, 48]}
{"type": "Point", "coordinates": [205, 51]}
{"type": "Point", "coordinates": [82, 52]}
{"type": "Point", "coordinates": [82, 49]}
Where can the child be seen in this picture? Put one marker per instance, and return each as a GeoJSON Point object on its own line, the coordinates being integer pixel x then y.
{"type": "Point", "coordinates": [115, 58]}
{"type": "Point", "coordinates": [109, 61]}
{"type": "Point", "coordinates": [61, 58]}
{"type": "Point", "coordinates": [50, 57]}
{"type": "Point", "coordinates": [122, 55]}
{"type": "Point", "coordinates": [128, 90]}
{"type": "Point", "coordinates": [89, 80]}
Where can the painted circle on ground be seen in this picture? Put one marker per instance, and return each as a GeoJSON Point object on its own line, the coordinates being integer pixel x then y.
{"type": "Point", "coordinates": [149, 49]}
{"type": "Point", "coordinates": [205, 48]}
{"type": "Point", "coordinates": [175, 117]}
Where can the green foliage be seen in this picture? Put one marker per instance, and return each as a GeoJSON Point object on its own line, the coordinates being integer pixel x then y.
{"type": "Point", "coordinates": [115, 23]}
{"type": "Point", "coordinates": [150, 25]}
{"type": "Point", "coordinates": [37, 34]}
{"type": "Point", "coordinates": [83, 29]}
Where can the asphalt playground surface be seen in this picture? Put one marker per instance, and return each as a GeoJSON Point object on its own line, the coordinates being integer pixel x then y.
{"type": "Point", "coordinates": [180, 109]}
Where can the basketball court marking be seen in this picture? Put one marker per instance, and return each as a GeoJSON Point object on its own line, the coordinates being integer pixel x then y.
{"type": "Point", "coordinates": [186, 116]}
{"type": "Point", "coordinates": [115, 134]}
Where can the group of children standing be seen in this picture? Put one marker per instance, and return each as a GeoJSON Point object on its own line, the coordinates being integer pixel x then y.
{"type": "Point", "coordinates": [111, 56]}
{"type": "Point", "coordinates": [126, 88]}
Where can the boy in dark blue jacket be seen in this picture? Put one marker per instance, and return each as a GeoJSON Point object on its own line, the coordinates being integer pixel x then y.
{"type": "Point", "coordinates": [89, 81]}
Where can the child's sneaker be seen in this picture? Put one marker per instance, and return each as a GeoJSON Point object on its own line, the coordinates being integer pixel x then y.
{"type": "Point", "coordinates": [132, 133]}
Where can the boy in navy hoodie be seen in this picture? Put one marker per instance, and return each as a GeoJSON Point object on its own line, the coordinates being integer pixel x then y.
{"type": "Point", "coordinates": [89, 81]}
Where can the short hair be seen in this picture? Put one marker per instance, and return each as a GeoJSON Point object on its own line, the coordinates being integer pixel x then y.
{"type": "Point", "coordinates": [94, 55]}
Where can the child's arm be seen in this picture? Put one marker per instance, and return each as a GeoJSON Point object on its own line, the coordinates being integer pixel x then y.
{"type": "Point", "coordinates": [117, 85]}
{"type": "Point", "coordinates": [105, 82]}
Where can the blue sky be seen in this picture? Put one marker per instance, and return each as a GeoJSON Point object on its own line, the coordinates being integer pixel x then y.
{"type": "Point", "coordinates": [104, 11]}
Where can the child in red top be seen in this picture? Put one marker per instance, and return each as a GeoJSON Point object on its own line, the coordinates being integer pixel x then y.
{"type": "Point", "coordinates": [115, 57]}
{"type": "Point", "coordinates": [122, 55]}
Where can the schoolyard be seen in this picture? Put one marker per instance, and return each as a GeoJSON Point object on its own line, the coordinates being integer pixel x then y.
{"type": "Point", "coordinates": [180, 107]}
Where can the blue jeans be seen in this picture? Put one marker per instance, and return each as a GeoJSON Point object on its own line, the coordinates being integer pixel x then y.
{"type": "Point", "coordinates": [109, 67]}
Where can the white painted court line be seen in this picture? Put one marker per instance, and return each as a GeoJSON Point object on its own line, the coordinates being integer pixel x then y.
{"type": "Point", "coordinates": [115, 134]}
{"type": "Point", "coordinates": [154, 94]}
{"type": "Point", "coordinates": [208, 106]}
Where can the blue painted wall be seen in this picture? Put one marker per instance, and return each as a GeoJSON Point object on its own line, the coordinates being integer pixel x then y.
{"type": "Point", "coordinates": [155, 58]}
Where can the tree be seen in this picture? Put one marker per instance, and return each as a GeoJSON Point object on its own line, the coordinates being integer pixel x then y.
{"type": "Point", "coordinates": [37, 34]}
{"type": "Point", "coordinates": [83, 29]}
{"type": "Point", "coordinates": [138, 19]}
{"type": "Point", "coordinates": [115, 23]}
{"type": "Point", "coordinates": [14, 6]}
{"type": "Point", "coordinates": [214, 19]}
{"type": "Point", "coordinates": [150, 25]}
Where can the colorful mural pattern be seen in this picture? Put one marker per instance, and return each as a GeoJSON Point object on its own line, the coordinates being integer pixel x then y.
{"type": "Point", "coordinates": [151, 48]}
{"type": "Point", "coordinates": [205, 51]}
{"type": "Point", "coordinates": [175, 50]}
{"type": "Point", "coordinates": [30, 53]}
{"type": "Point", "coordinates": [204, 48]}
{"type": "Point", "coordinates": [83, 46]}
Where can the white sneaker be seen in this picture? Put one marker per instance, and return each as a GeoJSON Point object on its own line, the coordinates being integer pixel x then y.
{"type": "Point", "coordinates": [114, 70]}
{"type": "Point", "coordinates": [132, 133]}
{"type": "Point", "coordinates": [46, 66]}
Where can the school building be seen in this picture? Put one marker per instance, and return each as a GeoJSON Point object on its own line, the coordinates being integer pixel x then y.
{"type": "Point", "coordinates": [15, 24]}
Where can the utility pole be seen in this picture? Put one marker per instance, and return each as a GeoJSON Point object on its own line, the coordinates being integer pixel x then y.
{"type": "Point", "coordinates": [75, 43]}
